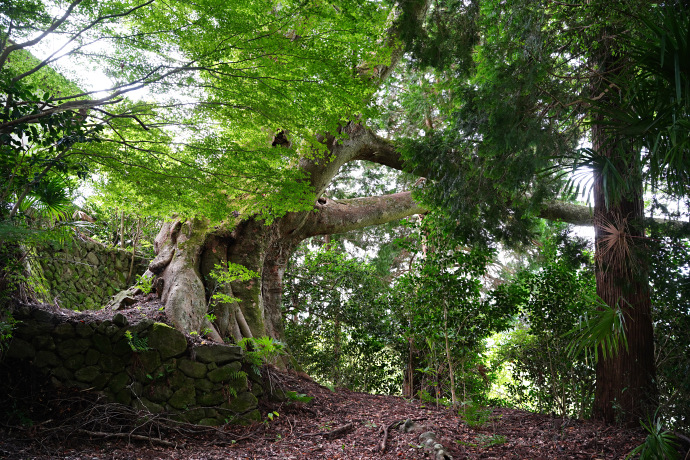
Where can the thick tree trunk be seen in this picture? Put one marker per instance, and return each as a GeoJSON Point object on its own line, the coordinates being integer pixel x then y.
{"type": "Point", "coordinates": [625, 383]}
{"type": "Point", "coordinates": [187, 252]}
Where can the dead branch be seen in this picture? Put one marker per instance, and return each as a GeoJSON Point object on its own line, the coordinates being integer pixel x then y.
{"type": "Point", "coordinates": [333, 434]}
{"type": "Point", "coordinates": [138, 437]}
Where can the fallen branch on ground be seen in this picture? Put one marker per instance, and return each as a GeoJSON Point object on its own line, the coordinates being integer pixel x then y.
{"type": "Point", "coordinates": [333, 434]}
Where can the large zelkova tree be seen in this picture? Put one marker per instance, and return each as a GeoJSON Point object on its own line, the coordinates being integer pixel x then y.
{"type": "Point", "coordinates": [249, 112]}
{"type": "Point", "coordinates": [546, 76]}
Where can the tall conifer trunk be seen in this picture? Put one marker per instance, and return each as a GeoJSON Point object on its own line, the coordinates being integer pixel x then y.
{"type": "Point", "coordinates": [625, 382]}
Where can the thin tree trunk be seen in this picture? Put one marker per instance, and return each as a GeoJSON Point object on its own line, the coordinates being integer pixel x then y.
{"type": "Point", "coordinates": [451, 371]}
{"type": "Point", "coordinates": [122, 230]}
{"type": "Point", "coordinates": [134, 248]}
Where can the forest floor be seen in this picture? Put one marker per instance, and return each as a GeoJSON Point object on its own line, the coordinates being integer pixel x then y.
{"type": "Point", "coordinates": [66, 424]}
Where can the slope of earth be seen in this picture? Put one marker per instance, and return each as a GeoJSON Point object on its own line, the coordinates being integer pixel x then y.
{"type": "Point", "coordinates": [41, 422]}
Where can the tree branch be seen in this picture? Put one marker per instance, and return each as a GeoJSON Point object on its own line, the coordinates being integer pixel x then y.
{"type": "Point", "coordinates": [341, 216]}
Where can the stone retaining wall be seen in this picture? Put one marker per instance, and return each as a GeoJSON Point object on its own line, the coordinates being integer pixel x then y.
{"type": "Point", "coordinates": [83, 275]}
{"type": "Point", "coordinates": [145, 365]}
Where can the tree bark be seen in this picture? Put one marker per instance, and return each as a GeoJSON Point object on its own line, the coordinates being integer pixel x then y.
{"type": "Point", "coordinates": [625, 382]}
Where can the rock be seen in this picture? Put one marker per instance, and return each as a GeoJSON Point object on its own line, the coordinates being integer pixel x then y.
{"type": "Point", "coordinates": [225, 373]}
{"type": "Point", "coordinates": [84, 330]}
{"type": "Point", "coordinates": [102, 343]}
{"type": "Point", "coordinates": [112, 364]}
{"type": "Point", "coordinates": [46, 358]}
{"type": "Point", "coordinates": [183, 398]}
{"type": "Point", "coordinates": [242, 403]}
{"type": "Point", "coordinates": [20, 349]}
{"type": "Point", "coordinates": [92, 357]}
{"type": "Point", "coordinates": [409, 426]}
{"type": "Point", "coordinates": [119, 382]}
{"type": "Point", "coordinates": [92, 259]}
{"type": "Point", "coordinates": [158, 392]}
{"type": "Point", "coordinates": [74, 362]}
{"type": "Point", "coordinates": [193, 415]}
{"type": "Point", "coordinates": [122, 348]}
{"type": "Point", "coordinates": [211, 399]}
{"type": "Point", "coordinates": [87, 374]}
{"type": "Point", "coordinates": [150, 360]}
{"type": "Point", "coordinates": [101, 381]}
{"type": "Point", "coordinates": [42, 316]}
{"type": "Point", "coordinates": [217, 353]}
{"type": "Point", "coordinates": [209, 422]}
{"type": "Point", "coordinates": [144, 404]}
{"type": "Point", "coordinates": [121, 300]}
{"type": "Point", "coordinates": [62, 374]}
{"type": "Point", "coordinates": [192, 368]}
{"type": "Point", "coordinates": [71, 347]}
{"type": "Point", "coordinates": [203, 385]}
{"type": "Point", "coordinates": [167, 340]}
{"type": "Point", "coordinates": [123, 397]}
{"type": "Point", "coordinates": [120, 320]}
{"type": "Point", "coordinates": [64, 331]}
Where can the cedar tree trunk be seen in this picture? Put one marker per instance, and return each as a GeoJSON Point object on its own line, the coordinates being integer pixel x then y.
{"type": "Point", "coordinates": [625, 383]}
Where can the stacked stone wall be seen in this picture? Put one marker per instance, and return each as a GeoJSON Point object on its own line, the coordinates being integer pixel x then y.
{"type": "Point", "coordinates": [83, 275]}
{"type": "Point", "coordinates": [146, 365]}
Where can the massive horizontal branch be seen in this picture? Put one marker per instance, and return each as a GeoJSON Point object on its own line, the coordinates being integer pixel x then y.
{"type": "Point", "coordinates": [582, 215]}
{"type": "Point", "coordinates": [345, 215]}
{"type": "Point", "coordinates": [567, 212]}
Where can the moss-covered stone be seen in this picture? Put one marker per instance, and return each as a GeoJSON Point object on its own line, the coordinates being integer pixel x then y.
{"type": "Point", "coordinates": [74, 362]}
{"type": "Point", "coordinates": [192, 368]}
{"type": "Point", "coordinates": [242, 403]}
{"type": "Point", "coordinates": [213, 398]}
{"type": "Point", "coordinates": [120, 320]}
{"type": "Point", "coordinates": [43, 316]}
{"type": "Point", "coordinates": [226, 372]}
{"type": "Point", "coordinates": [257, 390]}
{"type": "Point", "coordinates": [103, 327]}
{"type": "Point", "coordinates": [122, 348]}
{"type": "Point", "coordinates": [123, 397]}
{"type": "Point", "coordinates": [92, 357]}
{"type": "Point", "coordinates": [183, 398]}
{"type": "Point", "coordinates": [158, 391]}
{"type": "Point", "coordinates": [150, 360]}
{"type": "Point", "coordinates": [219, 354]}
{"type": "Point", "coordinates": [192, 415]}
{"type": "Point", "coordinates": [142, 403]}
{"type": "Point", "coordinates": [204, 385]}
{"type": "Point", "coordinates": [112, 364]}
{"type": "Point", "coordinates": [92, 259]}
{"type": "Point", "coordinates": [141, 326]}
{"type": "Point", "coordinates": [209, 422]}
{"type": "Point", "coordinates": [62, 373]}
{"type": "Point", "coordinates": [87, 374]}
{"type": "Point", "coordinates": [84, 330]}
{"type": "Point", "coordinates": [32, 329]}
{"type": "Point", "coordinates": [102, 343]}
{"type": "Point", "coordinates": [101, 381]}
{"type": "Point", "coordinates": [118, 382]}
{"type": "Point", "coordinates": [178, 379]}
{"type": "Point", "coordinates": [167, 340]}
{"type": "Point", "coordinates": [20, 349]}
{"type": "Point", "coordinates": [71, 347]}
{"type": "Point", "coordinates": [46, 358]}
{"type": "Point", "coordinates": [64, 331]}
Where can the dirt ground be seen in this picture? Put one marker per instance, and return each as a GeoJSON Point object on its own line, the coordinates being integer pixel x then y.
{"type": "Point", "coordinates": [41, 422]}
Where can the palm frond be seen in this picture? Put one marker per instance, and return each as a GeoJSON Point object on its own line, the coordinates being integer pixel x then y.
{"type": "Point", "coordinates": [602, 328]}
